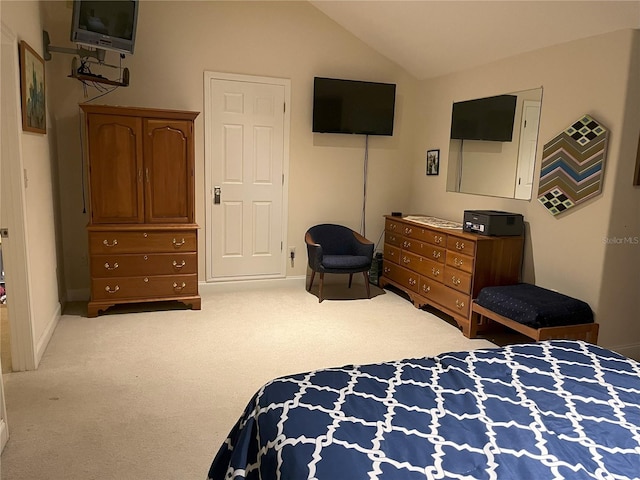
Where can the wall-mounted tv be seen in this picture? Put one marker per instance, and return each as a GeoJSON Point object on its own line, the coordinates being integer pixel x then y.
{"type": "Point", "coordinates": [352, 106]}
{"type": "Point", "coordinates": [104, 24]}
{"type": "Point", "coordinates": [488, 118]}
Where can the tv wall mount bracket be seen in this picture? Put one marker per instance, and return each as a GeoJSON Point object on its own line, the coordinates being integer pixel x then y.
{"type": "Point", "coordinates": [98, 54]}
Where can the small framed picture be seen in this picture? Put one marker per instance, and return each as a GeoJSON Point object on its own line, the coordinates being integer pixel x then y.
{"type": "Point", "coordinates": [32, 90]}
{"type": "Point", "coordinates": [433, 162]}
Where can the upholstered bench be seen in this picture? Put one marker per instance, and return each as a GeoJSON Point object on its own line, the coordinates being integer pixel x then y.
{"type": "Point", "coordinates": [534, 311]}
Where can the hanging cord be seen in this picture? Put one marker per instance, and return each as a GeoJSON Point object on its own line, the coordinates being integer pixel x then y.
{"type": "Point", "coordinates": [460, 164]}
{"type": "Point", "coordinates": [363, 226]}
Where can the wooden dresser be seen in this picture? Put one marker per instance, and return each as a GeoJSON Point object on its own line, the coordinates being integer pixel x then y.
{"type": "Point", "coordinates": [446, 268]}
{"type": "Point", "coordinates": [142, 233]}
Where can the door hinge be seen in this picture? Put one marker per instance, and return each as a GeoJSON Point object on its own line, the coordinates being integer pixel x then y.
{"type": "Point", "coordinates": [284, 108]}
{"type": "Point", "coordinates": [283, 179]}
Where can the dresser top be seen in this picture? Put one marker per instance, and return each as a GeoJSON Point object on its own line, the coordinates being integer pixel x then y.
{"type": "Point", "coordinates": [441, 225]}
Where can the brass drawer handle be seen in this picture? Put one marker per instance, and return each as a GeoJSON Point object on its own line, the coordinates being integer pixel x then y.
{"type": "Point", "coordinates": [459, 304]}
{"type": "Point", "coordinates": [107, 244]}
{"type": "Point", "coordinates": [408, 230]}
{"type": "Point", "coordinates": [437, 254]}
{"type": "Point", "coordinates": [437, 239]}
{"type": "Point", "coordinates": [392, 226]}
{"type": "Point", "coordinates": [109, 291]}
{"type": "Point", "coordinates": [405, 259]}
{"type": "Point", "coordinates": [179, 287]}
{"type": "Point", "coordinates": [426, 288]}
{"type": "Point", "coordinates": [435, 271]}
{"type": "Point", "coordinates": [455, 281]}
{"type": "Point", "coordinates": [178, 244]}
{"type": "Point", "coordinates": [386, 269]}
{"type": "Point", "coordinates": [412, 281]}
{"type": "Point", "coordinates": [460, 245]}
{"type": "Point", "coordinates": [406, 244]}
{"type": "Point", "coordinates": [179, 265]}
{"type": "Point", "coordinates": [457, 261]}
{"type": "Point", "coordinates": [109, 267]}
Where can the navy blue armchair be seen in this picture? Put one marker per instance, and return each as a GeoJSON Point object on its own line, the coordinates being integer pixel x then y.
{"type": "Point", "coordinates": [337, 249]}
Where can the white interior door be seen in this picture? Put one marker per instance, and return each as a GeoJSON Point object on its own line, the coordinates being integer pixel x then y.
{"type": "Point", "coordinates": [527, 149]}
{"type": "Point", "coordinates": [246, 137]}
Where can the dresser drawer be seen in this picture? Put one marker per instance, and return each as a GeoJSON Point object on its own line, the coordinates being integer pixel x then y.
{"type": "Point", "coordinates": [457, 279]}
{"type": "Point", "coordinates": [393, 238]}
{"type": "Point", "coordinates": [143, 287]}
{"type": "Point", "coordinates": [459, 261]}
{"type": "Point", "coordinates": [392, 226]}
{"type": "Point", "coordinates": [116, 241]}
{"type": "Point", "coordinates": [461, 245]}
{"type": "Point", "coordinates": [391, 253]}
{"type": "Point", "coordinates": [137, 264]}
{"type": "Point", "coordinates": [401, 276]}
{"type": "Point", "coordinates": [427, 235]}
{"type": "Point", "coordinates": [448, 298]}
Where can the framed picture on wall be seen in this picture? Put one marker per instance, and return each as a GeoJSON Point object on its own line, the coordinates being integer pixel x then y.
{"type": "Point", "coordinates": [32, 90]}
{"type": "Point", "coordinates": [433, 162]}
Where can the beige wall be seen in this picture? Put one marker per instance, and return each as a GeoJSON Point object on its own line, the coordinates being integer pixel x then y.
{"type": "Point", "coordinates": [23, 19]}
{"type": "Point", "coordinates": [177, 42]}
{"type": "Point", "coordinates": [567, 253]}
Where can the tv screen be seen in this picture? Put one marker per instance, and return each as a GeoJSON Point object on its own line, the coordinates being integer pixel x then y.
{"type": "Point", "coordinates": [109, 25]}
{"type": "Point", "coordinates": [351, 106]}
{"type": "Point", "coordinates": [488, 118]}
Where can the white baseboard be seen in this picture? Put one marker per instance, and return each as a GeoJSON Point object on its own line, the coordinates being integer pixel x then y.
{"type": "Point", "coordinates": [235, 285]}
{"type": "Point", "coordinates": [4, 434]}
{"type": "Point", "coordinates": [44, 339]}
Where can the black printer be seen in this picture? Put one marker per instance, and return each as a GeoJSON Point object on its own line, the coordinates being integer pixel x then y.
{"type": "Point", "coordinates": [493, 222]}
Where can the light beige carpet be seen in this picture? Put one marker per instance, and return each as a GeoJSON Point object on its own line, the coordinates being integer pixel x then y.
{"type": "Point", "coordinates": [151, 395]}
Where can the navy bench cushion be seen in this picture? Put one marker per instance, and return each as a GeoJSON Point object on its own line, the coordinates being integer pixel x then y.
{"type": "Point", "coordinates": [534, 306]}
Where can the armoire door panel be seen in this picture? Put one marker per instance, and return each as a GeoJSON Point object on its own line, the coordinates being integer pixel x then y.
{"type": "Point", "coordinates": [115, 165]}
{"type": "Point", "coordinates": [168, 172]}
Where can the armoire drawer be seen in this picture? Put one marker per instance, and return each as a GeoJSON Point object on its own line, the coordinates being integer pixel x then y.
{"type": "Point", "coordinates": [161, 286]}
{"type": "Point", "coordinates": [117, 241]}
{"type": "Point", "coordinates": [139, 264]}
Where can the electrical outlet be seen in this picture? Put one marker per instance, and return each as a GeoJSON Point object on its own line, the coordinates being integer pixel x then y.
{"type": "Point", "coordinates": [292, 255]}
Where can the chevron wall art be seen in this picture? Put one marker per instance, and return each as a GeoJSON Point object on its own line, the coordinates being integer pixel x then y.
{"type": "Point", "coordinates": [572, 166]}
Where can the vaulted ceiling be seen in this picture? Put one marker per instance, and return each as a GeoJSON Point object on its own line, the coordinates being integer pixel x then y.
{"type": "Point", "coordinates": [434, 38]}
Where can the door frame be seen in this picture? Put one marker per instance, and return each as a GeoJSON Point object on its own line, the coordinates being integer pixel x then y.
{"type": "Point", "coordinates": [15, 251]}
{"type": "Point", "coordinates": [208, 168]}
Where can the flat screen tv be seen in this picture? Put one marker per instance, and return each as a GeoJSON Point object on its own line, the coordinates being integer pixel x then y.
{"type": "Point", "coordinates": [488, 118]}
{"type": "Point", "coordinates": [108, 25]}
{"type": "Point", "coordinates": [352, 106]}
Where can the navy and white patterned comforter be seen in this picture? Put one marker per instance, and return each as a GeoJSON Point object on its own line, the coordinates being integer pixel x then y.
{"type": "Point", "coordinates": [556, 409]}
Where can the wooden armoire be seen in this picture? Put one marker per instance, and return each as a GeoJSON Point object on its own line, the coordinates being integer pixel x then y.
{"type": "Point", "coordinates": [142, 233]}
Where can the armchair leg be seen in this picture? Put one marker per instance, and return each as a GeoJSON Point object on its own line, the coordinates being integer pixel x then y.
{"type": "Point", "coordinates": [366, 283]}
{"type": "Point", "coordinates": [313, 274]}
{"type": "Point", "coordinates": [350, 278]}
{"type": "Point", "coordinates": [320, 290]}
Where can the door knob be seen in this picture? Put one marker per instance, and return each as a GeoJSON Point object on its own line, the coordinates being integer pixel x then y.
{"type": "Point", "coordinates": [216, 195]}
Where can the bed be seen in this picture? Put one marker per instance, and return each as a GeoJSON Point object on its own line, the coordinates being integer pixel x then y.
{"type": "Point", "coordinates": [554, 409]}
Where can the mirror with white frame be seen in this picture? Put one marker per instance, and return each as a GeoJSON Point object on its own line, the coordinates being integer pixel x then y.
{"type": "Point", "coordinates": [499, 168]}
